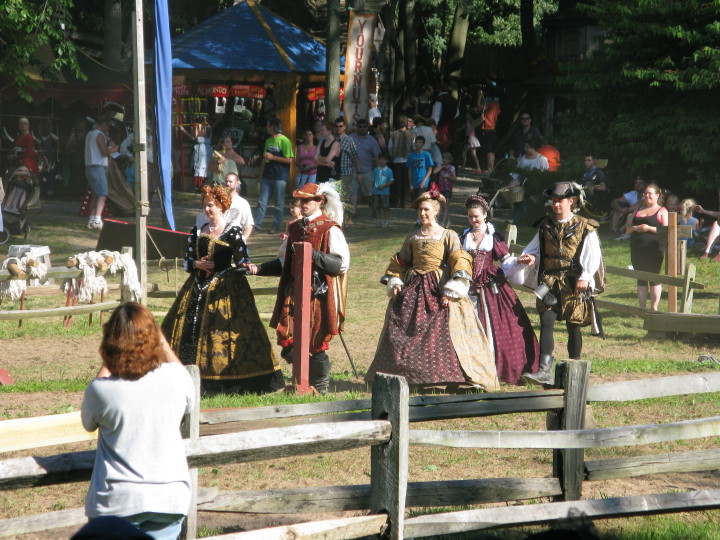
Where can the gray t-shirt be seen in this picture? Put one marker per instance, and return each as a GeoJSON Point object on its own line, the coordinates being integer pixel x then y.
{"type": "Point", "coordinates": [140, 464]}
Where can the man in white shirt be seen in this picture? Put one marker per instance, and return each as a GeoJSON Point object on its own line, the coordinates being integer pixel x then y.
{"type": "Point", "coordinates": [622, 206]}
{"type": "Point", "coordinates": [566, 250]}
{"type": "Point", "coordinates": [98, 149]}
{"type": "Point", "coordinates": [242, 214]}
{"type": "Point", "coordinates": [239, 214]}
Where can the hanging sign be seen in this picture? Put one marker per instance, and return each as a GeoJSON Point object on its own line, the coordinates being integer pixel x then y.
{"type": "Point", "coordinates": [361, 28]}
{"type": "Point", "coordinates": [211, 90]}
{"type": "Point", "coordinates": [248, 91]}
{"type": "Point", "coordinates": [316, 93]}
{"type": "Point", "coordinates": [313, 94]}
{"type": "Point", "coordinates": [182, 90]}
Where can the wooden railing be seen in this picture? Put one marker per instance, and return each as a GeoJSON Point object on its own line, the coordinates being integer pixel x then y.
{"type": "Point", "coordinates": [383, 424]}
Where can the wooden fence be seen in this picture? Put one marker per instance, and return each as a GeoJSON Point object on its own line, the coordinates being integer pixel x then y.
{"type": "Point", "coordinates": [265, 433]}
{"type": "Point", "coordinates": [71, 308]}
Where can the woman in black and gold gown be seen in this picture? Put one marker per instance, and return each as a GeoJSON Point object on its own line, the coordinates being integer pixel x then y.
{"type": "Point", "coordinates": [214, 322]}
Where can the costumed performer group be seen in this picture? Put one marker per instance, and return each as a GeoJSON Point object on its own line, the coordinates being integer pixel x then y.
{"type": "Point", "coordinates": [432, 334]}
{"type": "Point", "coordinates": [214, 321]}
{"type": "Point", "coordinates": [566, 256]}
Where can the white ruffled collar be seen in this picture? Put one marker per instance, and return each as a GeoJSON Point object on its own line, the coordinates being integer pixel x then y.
{"type": "Point", "coordinates": [486, 244]}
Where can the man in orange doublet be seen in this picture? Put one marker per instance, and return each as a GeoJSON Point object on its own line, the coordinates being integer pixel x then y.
{"type": "Point", "coordinates": [320, 226]}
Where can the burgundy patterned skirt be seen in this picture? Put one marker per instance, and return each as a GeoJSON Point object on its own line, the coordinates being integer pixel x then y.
{"type": "Point", "coordinates": [415, 341]}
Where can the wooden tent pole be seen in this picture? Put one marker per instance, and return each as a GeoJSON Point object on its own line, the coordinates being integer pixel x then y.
{"type": "Point", "coordinates": [142, 206]}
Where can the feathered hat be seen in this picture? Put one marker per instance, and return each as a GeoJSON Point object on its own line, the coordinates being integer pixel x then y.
{"type": "Point", "coordinates": [332, 205]}
{"type": "Point", "coordinates": [563, 190]}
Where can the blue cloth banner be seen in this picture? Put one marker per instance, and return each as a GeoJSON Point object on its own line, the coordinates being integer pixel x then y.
{"type": "Point", "coordinates": [163, 104]}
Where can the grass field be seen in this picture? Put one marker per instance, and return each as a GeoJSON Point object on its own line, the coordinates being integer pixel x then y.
{"type": "Point", "coordinates": [52, 364]}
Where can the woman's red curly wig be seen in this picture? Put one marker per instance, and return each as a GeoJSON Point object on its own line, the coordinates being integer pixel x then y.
{"type": "Point", "coordinates": [220, 195]}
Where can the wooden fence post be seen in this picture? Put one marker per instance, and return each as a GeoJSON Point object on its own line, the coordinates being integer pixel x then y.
{"type": "Point", "coordinates": [302, 270]}
{"type": "Point", "coordinates": [681, 256]}
{"type": "Point", "coordinates": [389, 462]}
{"type": "Point", "coordinates": [191, 430]}
{"type": "Point", "coordinates": [687, 292]}
{"type": "Point", "coordinates": [569, 465]}
{"type": "Point", "coordinates": [671, 264]}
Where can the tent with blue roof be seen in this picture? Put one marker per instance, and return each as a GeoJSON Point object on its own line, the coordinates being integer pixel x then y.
{"type": "Point", "coordinates": [248, 37]}
{"type": "Point", "coordinates": [248, 43]}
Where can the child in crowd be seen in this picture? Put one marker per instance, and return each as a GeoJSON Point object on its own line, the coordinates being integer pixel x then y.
{"type": "Point", "coordinates": [420, 164]}
{"type": "Point", "coordinates": [672, 203]}
{"type": "Point", "coordinates": [471, 143]}
{"type": "Point", "coordinates": [295, 214]}
{"type": "Point", "coordinates": [446, 177]}
{"type": "Point", "coordinates": [685, 217]}
{"type": "Point", "coordinates": [382, 180]}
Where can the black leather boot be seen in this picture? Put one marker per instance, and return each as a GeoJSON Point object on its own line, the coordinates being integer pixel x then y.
{"type": "Point", "coordinates": [545, 374]}
{"type": "Point", "coordinates": [320, 372]}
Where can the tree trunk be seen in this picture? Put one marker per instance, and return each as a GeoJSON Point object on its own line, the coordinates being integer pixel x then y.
{"type": "Point", "coordinates": [407, 12]}
{"type": "Point", "coordinates": [112, 33]}
{"type": "Point", "coordinates": [428, 66]}
{"type": "Point", "coordinates": [527, 30]}
{"type": "Point", "coordinates": [456, 46]}
{"type": "Point", "coordinates": [332, 69]}
{"type": "Point", "coordinates": [399, 78]}
{"type": "Point", "coordinates": [386, 60]}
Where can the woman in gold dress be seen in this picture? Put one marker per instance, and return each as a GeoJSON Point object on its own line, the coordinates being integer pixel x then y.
{"type": "Point", "coordinates": [214, 322]}
{"type": "Point", "coordinates": [432, 334]}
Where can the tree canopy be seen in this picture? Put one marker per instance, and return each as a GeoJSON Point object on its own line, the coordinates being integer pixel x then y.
{"type": "Point", "coordinates": [25, 27]}
{"type": "Point", "coordinates": [492, 22]}
{"type": "Point", "coordinates": [648, 98]}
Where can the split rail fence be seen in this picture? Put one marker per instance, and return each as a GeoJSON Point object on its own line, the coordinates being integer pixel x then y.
{"type": "Point", "coordinates": [220, 437]}
{"type": "Point", "coordinates": [71, 308]}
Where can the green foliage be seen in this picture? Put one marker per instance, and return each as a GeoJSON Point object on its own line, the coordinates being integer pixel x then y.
{"type": "Point", "coordinates": [492, 22]}
{"type": "Point", "coordinates": [648, 98]}
{"type": "Point", "coordinates": [498, 21]}
{"type": "Point", "coordinates": [29, 25]}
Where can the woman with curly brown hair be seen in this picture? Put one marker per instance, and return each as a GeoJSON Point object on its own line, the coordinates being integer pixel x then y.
{"type": "Point", "coordinates": [214, 322]}
{"type": "Point", "coordinates": [137, 403]}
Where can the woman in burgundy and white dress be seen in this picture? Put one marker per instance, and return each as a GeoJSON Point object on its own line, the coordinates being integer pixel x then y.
{"type": "Point", "coordinates": [502, 315]}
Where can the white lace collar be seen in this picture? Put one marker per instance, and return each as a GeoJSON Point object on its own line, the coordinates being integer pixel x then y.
{"type": "Point", "coordinates": [486, 244]}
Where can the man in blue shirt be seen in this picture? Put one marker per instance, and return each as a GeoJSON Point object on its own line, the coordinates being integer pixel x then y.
{"type": "Point", "coordinates": [274, 173]}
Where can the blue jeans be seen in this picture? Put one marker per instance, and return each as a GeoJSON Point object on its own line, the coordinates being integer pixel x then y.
{"type": "Point", "coordinates": [159, 526]}
{"type": "Point", "coordinates": [305, 178]}
{"type": "Point", "coordinates": [97, 179]}
{"type": "Point", "coordinates": [267, 188]}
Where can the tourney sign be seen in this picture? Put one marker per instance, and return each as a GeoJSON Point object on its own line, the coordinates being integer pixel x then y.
{"type": "Point", "coordinates": [361, 29]}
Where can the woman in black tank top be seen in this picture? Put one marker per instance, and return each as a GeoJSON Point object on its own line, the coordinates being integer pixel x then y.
{"type": "Point", "coordinates": [328, 154]}
{"type": "Point", "coordinates": [645, 251]}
